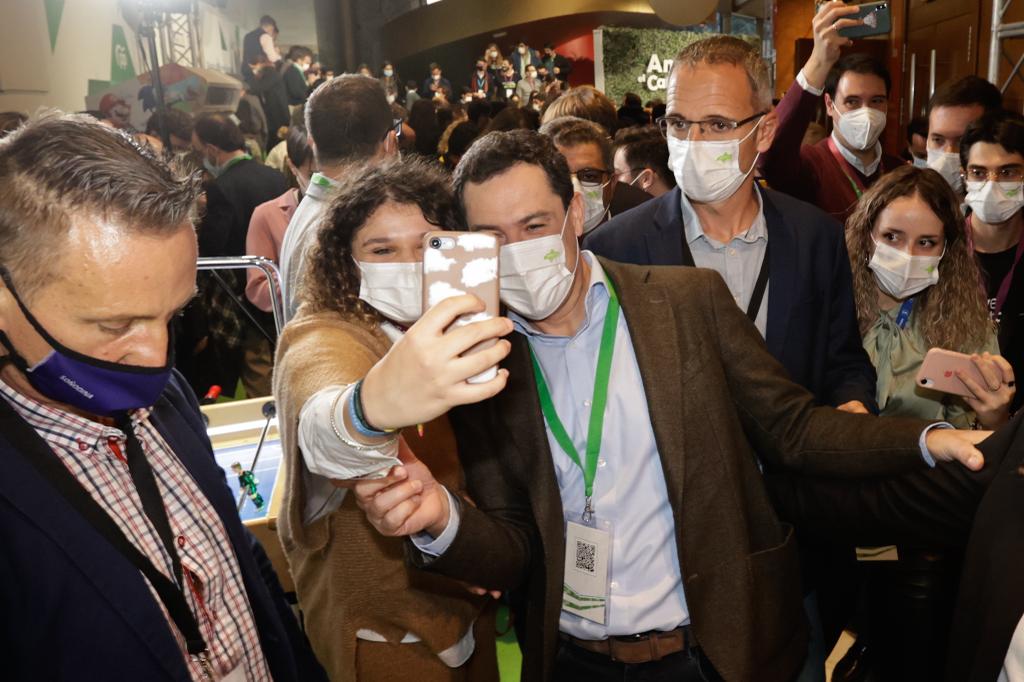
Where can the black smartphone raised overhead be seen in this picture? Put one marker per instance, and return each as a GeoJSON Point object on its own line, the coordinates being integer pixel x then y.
{"type": "Point", "coordinates": [877, 21]}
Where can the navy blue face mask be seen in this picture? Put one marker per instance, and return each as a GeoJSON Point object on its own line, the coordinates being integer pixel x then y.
{"type": "Point", "coordinates": [95, 386]}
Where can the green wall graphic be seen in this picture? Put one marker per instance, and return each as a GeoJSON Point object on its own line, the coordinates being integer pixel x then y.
{"type": "Point", "coordinates": [121, 67]}
{"type": "Point", "coordinates": [54, 11]}
{"type": "Point", "coordinates": [640, 59]}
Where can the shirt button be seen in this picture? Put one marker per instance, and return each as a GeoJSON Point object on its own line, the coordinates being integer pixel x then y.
{"type": "Point", "coordinates": [732, 252]}
{"type": "Point", "coordinates": [614, 585]}
{"type": "Point", "coordinates": [181, 541]}
{"type": "Point", "coordinates": [602, 462]}
{"type": "Point", "coordinates": [586, 403]}
{"type": "Point", "coordinates": [82, 446]}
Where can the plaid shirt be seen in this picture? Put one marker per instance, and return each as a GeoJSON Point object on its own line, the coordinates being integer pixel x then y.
{"type": "Point", "coordinates": [93, 453]}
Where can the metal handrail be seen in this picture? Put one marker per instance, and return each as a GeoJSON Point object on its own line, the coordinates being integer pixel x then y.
{"type": "Point", "coordinates": [266, 266]}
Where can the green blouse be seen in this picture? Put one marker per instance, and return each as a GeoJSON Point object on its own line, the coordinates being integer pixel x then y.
{"type": "Point", "coordinates": [897, 355]}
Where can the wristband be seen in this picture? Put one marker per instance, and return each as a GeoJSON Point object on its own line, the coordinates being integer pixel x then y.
{"type": "Point", "coordinates": [355, 413]}
{"type": "Point", "coordinates": [343, 435]}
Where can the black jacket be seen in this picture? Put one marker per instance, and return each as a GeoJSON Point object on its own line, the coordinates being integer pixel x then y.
{"type": "Point", "coordinates": [948, 506]}
{"type": "Point", "coordinates": [73, 607]}
{"type": "Point", "coordinates": [230, 201]}
{"type": "Point", "coordinates": [812, 324]}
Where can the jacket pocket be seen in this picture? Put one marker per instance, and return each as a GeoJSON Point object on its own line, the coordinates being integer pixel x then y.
{"type": "Point", "coordinates": [778, 614]}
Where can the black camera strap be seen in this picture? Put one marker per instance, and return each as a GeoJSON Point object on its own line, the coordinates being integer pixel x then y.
{"type": "Point", "coordinates": [36, 452]}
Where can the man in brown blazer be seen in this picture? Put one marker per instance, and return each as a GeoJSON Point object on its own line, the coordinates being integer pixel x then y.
{"type": "Point", "coordinates": [702, 579]}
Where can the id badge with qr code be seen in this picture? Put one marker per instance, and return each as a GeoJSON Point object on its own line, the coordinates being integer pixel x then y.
{"type": "Point", "coordinates": [588, 561]}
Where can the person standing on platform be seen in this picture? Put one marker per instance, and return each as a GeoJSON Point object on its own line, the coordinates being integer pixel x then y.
{"type": "Point", "coordinates": [992, 153]}
{"type": "Point", "coordinates": [833, 173]}
{"type": "Point", "coordinates": [123, 554]}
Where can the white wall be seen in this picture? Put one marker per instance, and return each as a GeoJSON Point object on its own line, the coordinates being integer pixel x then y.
{"type": "Point", "coordinates": [83, 48]}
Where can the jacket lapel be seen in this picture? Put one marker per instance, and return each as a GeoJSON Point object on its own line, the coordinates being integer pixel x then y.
{"type": "Point", "coordinates": [118, 581]}
{"type": "Point", "coordinates": [666, 242]}
{"type": "Point", "coordinates": [654, 331]}
{"type": "Point", "coordinates": [782, 280]}
{"type": "Point", "coordinates": [518, 408]}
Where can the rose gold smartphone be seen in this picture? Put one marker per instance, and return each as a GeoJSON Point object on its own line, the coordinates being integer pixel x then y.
{"type": "Point", "coordinates": [457, 263]}
{"type": "Point", "coordinates": [938, 372]}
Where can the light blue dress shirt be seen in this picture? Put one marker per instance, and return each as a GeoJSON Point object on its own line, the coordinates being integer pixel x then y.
{"type": "Point", "coordinates": [629, 487]}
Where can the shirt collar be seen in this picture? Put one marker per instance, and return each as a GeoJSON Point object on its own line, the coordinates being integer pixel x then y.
{"type": "Point", "coordinates": [63, 427]}
{"type": "Point", "coordinates": [867, 170]}
{"type": "Point", "coordinates": [693, 230]}
{"type": "Point", "coordinates": [321, 186]}
{"type": "Point", "coordinates": [597, 290]}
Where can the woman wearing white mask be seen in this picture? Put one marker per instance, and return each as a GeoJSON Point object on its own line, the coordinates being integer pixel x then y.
{"type": "Point", "coordinates": [916, 287]}
{"type": "Point", "coordinates": [992, 150]}
{"type": "Point", "coordinates": [368, 616]}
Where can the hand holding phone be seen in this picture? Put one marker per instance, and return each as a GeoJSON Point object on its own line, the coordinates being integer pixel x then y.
{"type": "Point", "coordinates": [986, 382]}
{"type": "Point", "coordinates": [459, 263]}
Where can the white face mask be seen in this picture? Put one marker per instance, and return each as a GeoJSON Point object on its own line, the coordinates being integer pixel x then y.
{"type": "Point", "coordinates": [395, 290]}
{"type": "Point", "coordinates": [861, 127]}
{"type": "Point", "coordinates": [388, 73]}
{"type": "Point", "coordinates": [522, 50]}
{"type": "Point", "coordinates": [594, 210]}
{"type": "Point", "coordinates": [435, 76]}
{"type": "Point", "coordinates": [995, 202]}
{"type": "Point", "coordinates": [709, 171]}
{"type": "Point", "coordinates": [901, 275]}
{"type": "Point", "coordinates": [920, 163]}
{"type": "Point", "coordinates": [534, 278]}
{"type": "Point", "coordinates": [494, 54]}
{"type": "Point", "coordinates": [948, 166]}
{"type": "Point", "coordinates": [391, 99]}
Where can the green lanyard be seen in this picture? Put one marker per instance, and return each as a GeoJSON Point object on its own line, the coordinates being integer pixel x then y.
{"type": "Point", "coordinates": [237, 159]}
{"type": "Point", "coordinates": [596, 429]}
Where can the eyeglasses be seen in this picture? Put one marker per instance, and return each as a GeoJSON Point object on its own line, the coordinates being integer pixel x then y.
{"type": "Point", "coordinates": [714, 128]}
{"type": "Point", "coordinates": [592, 176]}
{"type": "Point", "coordinates": [1004, 174]}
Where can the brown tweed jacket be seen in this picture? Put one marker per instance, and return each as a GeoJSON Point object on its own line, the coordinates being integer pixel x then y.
{"type": "Point", "coordinates": [715, 397]}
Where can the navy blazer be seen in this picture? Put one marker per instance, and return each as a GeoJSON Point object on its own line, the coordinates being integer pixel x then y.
{"type": "Point", "coordinates": [73, 608]}
{"type": "Point", "coordinates": [812, 322]}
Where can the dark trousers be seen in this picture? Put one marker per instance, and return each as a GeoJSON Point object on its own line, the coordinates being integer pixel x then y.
{"type": "Point", "coordinates": [574, 664]}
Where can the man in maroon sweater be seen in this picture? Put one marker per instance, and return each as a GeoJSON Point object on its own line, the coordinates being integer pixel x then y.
{"type": "Point", "coordinates": [833, 173]}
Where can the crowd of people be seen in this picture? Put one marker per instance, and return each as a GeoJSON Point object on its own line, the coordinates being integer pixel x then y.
{"type": "Point", "coordinates": [706, 394]}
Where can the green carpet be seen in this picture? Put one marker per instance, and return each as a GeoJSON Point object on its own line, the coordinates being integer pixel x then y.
{"type": "Point", "coordinates": [509, 659]}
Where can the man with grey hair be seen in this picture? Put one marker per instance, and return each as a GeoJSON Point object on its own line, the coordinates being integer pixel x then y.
{"type": "Point", "coordinates": [367, 135]}
{"type": "Point", "coordinates": [783, 260]}
{"type": "Point", "coordinates": [124, 556]}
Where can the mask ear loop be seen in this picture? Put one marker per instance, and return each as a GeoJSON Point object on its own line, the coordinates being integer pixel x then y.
{"type": "Point", "coordinates": [561, 236]}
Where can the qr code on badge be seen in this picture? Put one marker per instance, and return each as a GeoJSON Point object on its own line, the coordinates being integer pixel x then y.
{"type": "Point", "coordinates": [586, 553]}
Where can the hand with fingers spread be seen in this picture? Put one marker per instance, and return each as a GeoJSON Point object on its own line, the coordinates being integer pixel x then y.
{"type": "Point", "coordinates": [947, 445]}
{"type": "Point", "coordinates": [406, 501]}
{"type": "Point", "coordinates": [831, 17]}
{"type": "Point", "coordinates": [423, 375]}
{"type": "Point", "coordinates": [992, 397]}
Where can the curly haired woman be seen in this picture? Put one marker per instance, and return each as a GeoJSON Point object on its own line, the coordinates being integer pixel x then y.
{"type": "Point", "coordinates": [368, 615]}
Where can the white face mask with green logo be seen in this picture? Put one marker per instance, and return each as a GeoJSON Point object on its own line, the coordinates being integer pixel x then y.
{"type": "Point", "coordinates": [708, 171]}
{"type": "Point", "coordinates": [594, 209]}
{"type": "Point", "coordinates": [994, 202]}
{"type": "Point", "coordinates": [534, 278]}
{"type": "Point", "coordinates": [901, 275]}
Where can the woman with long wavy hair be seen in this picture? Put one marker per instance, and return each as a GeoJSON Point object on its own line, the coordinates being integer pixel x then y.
{"type": "Point", "coordinates": [916, 286]}
{"type": "Point", "coordinates": [368, 615]}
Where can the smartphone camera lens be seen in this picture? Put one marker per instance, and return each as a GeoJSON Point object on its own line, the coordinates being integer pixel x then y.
{"type": "Point", "coordinates": [435, 243]}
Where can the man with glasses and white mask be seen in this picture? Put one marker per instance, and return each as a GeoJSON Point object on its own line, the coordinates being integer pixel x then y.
{"type": "Point", "coordinates": [798, 292]}
{"type": "Point", "coordinates": [784, 261]}
{"type": "Point", "coordinates": [992, 153]}
{"type": "Point", "coordinates": [588, 151]}
{"type": "Point", "coordinates": [614, 486]}
{"type": "Point", "coordinates": [833, 173]}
